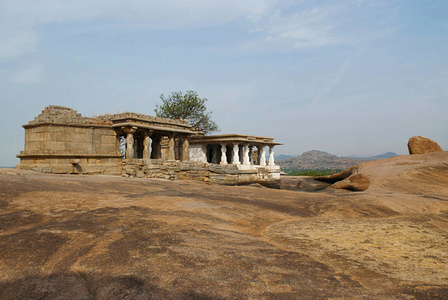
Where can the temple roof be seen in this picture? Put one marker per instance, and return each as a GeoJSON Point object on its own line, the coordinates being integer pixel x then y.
{"type": "Point", "coordinates": [149, 122]}
{"type": "Point", "coordinates": [234, 138]}
{"type": "Point", "coordinates": [55, 114]}
{"type": "Point", "coordinates": [61, 115]}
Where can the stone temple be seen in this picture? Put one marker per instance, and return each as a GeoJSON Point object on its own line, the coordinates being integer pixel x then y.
{"type": "Point", "coordinates": [60, 140]}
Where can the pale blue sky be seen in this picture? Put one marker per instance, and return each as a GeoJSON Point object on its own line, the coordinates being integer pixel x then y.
{"type": "Point", "coordinates": [353, 77]}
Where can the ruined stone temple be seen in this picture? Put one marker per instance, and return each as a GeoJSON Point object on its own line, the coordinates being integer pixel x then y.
{"type": "Point", "coordinates": [60, 140]}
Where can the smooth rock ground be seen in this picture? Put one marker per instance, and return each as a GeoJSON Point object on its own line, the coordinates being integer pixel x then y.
{"type": "Point", "coordinates": [105, 237]}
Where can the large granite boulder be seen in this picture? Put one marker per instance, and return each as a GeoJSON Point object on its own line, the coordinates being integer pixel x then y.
{"type": "Point", "coordinates": [349, 179]}
{"type": "Point", "coordinates": [421, 145]}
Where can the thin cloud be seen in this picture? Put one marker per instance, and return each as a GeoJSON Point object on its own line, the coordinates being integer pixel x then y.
{"type": "Point", "coordinates": [32, 74]}
{"type": "Point", "coordinates": [274, 24]}
{"type": "Point", "coordinates": [308, 28]}
{"type": "Point", "coordinates": [337, 78]}
{"type": "Point", "coordinates": [19, 18]}
{"type": "Point", "coordinates": [13, 45]}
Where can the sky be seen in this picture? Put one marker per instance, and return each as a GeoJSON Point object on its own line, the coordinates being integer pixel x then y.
{"type": "Point", "coordinates": [353, 77]}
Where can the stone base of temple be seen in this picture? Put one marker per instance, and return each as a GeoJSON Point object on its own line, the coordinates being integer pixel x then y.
{"type": "Point", "coordinates": [155, 168]}
{"type": "Point", "coordinates": [191, 170]}
{"type": "Point", "coordinates": [72, 165]}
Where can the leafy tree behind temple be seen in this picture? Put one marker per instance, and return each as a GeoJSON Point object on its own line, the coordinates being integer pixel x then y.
{"type": "Point", "coordinates": [189, 106]}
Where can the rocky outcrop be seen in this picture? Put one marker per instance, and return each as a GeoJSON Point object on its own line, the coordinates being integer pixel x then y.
{"type": "Point", "coordinates": [422, 145]}
{"type": "Point", "coordinates": [396, 173]}
{"type": "Point", "coordinates": [356, 182]}
{"type": "Point", "coordinates": [315, 159]}
{"type": "Point", "coordinates": [348, 179]}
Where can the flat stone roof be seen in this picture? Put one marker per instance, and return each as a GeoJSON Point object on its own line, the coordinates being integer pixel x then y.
{"type": "Point", "coordinates": [150, 122]}
{"type": "Point", "coordinates": [234, 138]}
{"type": "Point", "coordinates": [65, 116]}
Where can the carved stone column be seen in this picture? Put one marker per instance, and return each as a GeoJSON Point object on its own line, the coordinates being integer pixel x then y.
{"type": "Point", "coordinates": [129, 141]}
{"type": "Point", "coordinates": [164, 147]}
{"type": "Point", "coordinates": [223, 154]}
{"type": "Point", "coordinates": [147, 144]}
{"type": "Point", "coordinates": [271, 155]}
{"type": "Point", "coordinates": [251, 155]}
{"type": "Point", "coordinates": [186, 149]}
{"type": "Point", "coordinates": [263, 156]}
{"type": "Point", "coordinates": [156, 148]}
{"type": "Point", "coordinates": [246, 155]}
{"type": "Point", "coordinates": [171, 153]}
{"type": "Point", "coordinates": [236, 154]}
{"type": "Point", "coordinates": [177, 149]}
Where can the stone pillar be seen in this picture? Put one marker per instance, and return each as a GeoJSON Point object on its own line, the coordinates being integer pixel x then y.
{"type": "Point", "coordinates": [262, 154]}
{"type": "Point", "coordinates": [177, 149]}
{"type": "Point", "coordinates": [251, 155]}
{"type": "Point", "coordinates": [171, 153]}
{"type": "Point", "coordinates": [185, 149]}
{"type": "Point", "coordinates": [136, 146]}
{"type": "Point", "coordinates": [271, 155]}
{"type": "Point", "coordinates": [156, 148]}
{"type": "Point", "coordinates": [236, 155]}
{"type": "Point", "coordinates": [246, 155]}
{"type": "Point", "coordinates": [129, 141]}
{"type": "Point", "coordinates": [117, 143]}
{"type": "Point", "coordinates": [147, 145]}
{"type": "Point", "coordinates": [223, 154]}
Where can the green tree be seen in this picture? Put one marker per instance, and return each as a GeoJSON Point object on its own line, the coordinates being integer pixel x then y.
{"type": "Point", "coordinates": [188, 106]}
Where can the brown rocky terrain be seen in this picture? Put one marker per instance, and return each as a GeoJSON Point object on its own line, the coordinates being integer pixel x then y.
{"type": "Point", "coordinates": [105, 237]}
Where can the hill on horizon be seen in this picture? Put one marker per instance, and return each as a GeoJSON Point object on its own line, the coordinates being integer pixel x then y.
{"type": "Point", "coordinates": [376, 157]}
{"type": "Point", "coordinates": [316, 159]}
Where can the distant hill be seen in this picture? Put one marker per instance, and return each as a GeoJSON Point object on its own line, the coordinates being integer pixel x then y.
{"type": "Point", "coordinates": [316, 159]}
{"type": "Point", "coordinates": [381, 156]}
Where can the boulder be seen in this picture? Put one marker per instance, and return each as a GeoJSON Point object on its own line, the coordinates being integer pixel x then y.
{"type": "Point", "coordinates": [348, 179]}
{"type": "Point", "coordinates": [356, 182]}
{"type": "Point", "coordinates": [422, 145]}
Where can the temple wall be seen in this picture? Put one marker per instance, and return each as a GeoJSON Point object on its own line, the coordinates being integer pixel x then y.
{"type": "Point", "coordinates": [59, 139]}
{"type": "Point", "coordinates": [71, 165]}
{"type": "Point", "coordinates": [198, 153]}
{"type": "Point", "coordinates": [56, 148]}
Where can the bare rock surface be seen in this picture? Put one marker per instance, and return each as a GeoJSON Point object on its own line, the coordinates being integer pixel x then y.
{"type": "Point", "coordinates": [422, 145]}
{"type": "Point", "coordinates": [394, 173]}
{"type": "Point", "coordinates": [355, 182]}
{"type": "Point", "coordinates": [105, 237]}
